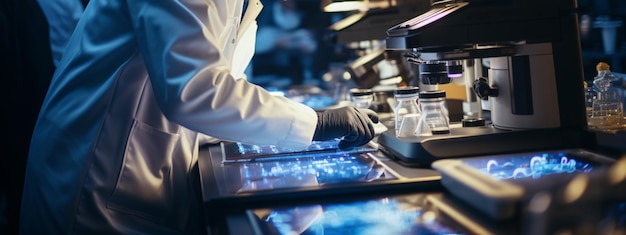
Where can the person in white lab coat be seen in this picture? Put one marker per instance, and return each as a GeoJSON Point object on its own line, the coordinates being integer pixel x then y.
{"type": "Point", "coordinates": [139, 84]}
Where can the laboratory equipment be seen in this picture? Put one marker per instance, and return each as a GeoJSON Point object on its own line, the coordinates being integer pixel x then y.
{"type": "Point", "coordinates": [362, 98]}
{"type": "Point", "coordinates": [377, 66]}
{"type": "Point", "coordinates": [381, 96]}
{"type": "Point", "coordinates": [534, 84]}
{"type": "Point", "coordinates": [362, 33]}
{"type": "Point", "coordinates": [371, 22]}
{"type": "Point", "coordinates": [592, 203]}
{"type": "Point", "coordinates": [435, 119]}
{"type": "Point", "coordinates": [590, 95]}
{"type": "Point", "coordinates": [263, 174]}
{"type": "Point", "coordinates": [497, 184]}
{"type": "Point", "coordinates": [433, 73]}
{"type": "Point", "coordinates": [607, 110]}
{"type": "Point", "coordinates": [407, 111]}
{"type": "Point", "coordinates": [308, 170]}
{"type": "Point", "coordinates": [419, 213]}
{"type": "Point", "coordinates": [299, 171]}
{"type": "Point", "coordinates": [237, 152]}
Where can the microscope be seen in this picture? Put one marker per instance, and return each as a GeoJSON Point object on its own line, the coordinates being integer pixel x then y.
{"type": "Point", "coordinates": [362, 32]}
{"type": "Point", "coordinates": [534, 84]}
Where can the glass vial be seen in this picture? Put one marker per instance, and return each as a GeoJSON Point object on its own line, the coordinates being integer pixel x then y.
{"type": "Point", "coordinates": [362, 98]}
{"type": "Point", "coordinates": [590, 95]}
{"type": "Point", "coordinates": [434, 119]}
{"type": "Point", "coordinates": [407, 111]}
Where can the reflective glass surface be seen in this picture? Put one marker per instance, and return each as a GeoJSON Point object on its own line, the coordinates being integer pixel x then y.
{"type": "Point", "coordinates": [408, 214]}
{"type": "Point", "coordinates": [245, 152]}
{"type": "Point", "coordinates": [302, 170]}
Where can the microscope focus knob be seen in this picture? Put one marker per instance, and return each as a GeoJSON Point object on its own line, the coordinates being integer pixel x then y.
{"type": "Point", "coordinates": [483, 90]}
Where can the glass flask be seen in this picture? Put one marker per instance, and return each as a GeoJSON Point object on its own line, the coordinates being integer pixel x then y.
{"type": "Point", "coordinates": [407, 111]}
{"type": "Point", "coordinates": [607, 110]}
{"type": "Point", "coordinates": [434, 119]}
{"type": "Point", "coordinates": [590, 95]}
{"type": "Point", "coordinates": [362, 98]}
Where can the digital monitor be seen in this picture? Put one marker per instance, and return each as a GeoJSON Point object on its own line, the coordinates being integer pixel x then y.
{"type": "Point", "coordinates": [406, 214]}
{"type": "Point", "coordinates": [297, 171]}
{"type": "Point", "coordinates": [534, 165]}
{"type": "Point", "coordinates": [497, 184]}
{"type": "Point", "coordinates": [235, 151]}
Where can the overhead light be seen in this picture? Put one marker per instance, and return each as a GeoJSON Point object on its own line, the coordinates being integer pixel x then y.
{"type": "Point", "coordinates": [354, 5]}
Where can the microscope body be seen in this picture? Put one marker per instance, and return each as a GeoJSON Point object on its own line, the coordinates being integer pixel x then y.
{"type": "Point", "coordinates": [527, 89]}
{"type": "Point", "coordinates": [535, 75]}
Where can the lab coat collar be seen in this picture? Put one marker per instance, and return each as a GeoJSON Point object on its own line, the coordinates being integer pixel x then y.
{"type": "Point", "coordinates": [252, 12]}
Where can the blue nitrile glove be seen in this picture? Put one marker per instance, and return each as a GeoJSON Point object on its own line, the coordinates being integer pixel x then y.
{"type": "Point", "coordinates": [353, 124]}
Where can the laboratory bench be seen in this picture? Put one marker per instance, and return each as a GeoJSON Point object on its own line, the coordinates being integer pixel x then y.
{"type": "Point", "coordinates": [251, 189]}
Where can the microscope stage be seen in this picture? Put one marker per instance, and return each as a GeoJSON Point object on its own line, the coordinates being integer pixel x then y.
{"type": "Point", "coordinates": [421, 151]}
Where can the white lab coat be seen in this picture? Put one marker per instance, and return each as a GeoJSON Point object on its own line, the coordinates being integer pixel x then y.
{"type": "Point", "coordinates": [117, 136]}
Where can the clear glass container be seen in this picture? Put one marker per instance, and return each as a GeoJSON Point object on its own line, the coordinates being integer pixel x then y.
{"type": "Point", "coordinates": [607, 109]}
{"type": "Point", "coordinates": [590, 95]}
{"type": "Point", "coordinates": [407, 111]}
{"type": "Point", "coordinates": [362, 98]}
{"type": "Point", "coordinates": [434, 119]}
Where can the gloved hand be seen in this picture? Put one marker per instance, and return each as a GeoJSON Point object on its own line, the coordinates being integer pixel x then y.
{"type": "Point", "coordinates": [353, 124]}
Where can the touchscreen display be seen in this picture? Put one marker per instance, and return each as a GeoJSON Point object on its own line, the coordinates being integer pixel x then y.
{"type": "Point", "coordinates": [243, 152]}
{"type": "Point", "coordinates": [534, 165]}
{"type": "Point", "coordinates": [303, 170]}
{"type": "Point", "coordinates": [389, 215]}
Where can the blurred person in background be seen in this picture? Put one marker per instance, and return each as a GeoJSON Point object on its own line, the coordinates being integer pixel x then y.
{"type": "Point", "coordinates": [287, 42]}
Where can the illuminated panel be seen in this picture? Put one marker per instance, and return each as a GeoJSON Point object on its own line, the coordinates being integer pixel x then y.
{"type": "Point", "coordinates": [244, 152]}
{"type": "Point", "coordinates": [389, 215]}
{"type": "Point", "coordinates": [426, 18]}
{"type": "Point", "coordinates": [304, 170]}
{"type": "Point", "coordinates": [530, 166]}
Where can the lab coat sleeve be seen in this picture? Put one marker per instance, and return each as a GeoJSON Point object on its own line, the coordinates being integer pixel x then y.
{"type": "Point", "coordinates": [62, 15]}
{"type": "Point", "coordinates": [186, 47]}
